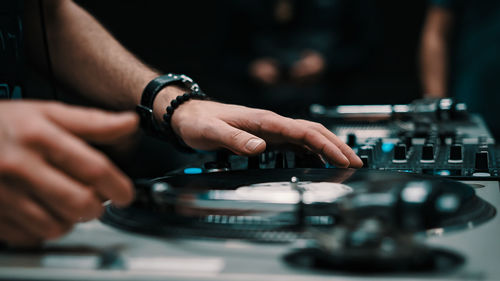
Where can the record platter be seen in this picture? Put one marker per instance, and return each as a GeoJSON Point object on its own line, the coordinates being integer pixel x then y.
{"type": "Point", "coordinates": [278, 205]}
{"type": "Point", "coordinates": [351, 218]}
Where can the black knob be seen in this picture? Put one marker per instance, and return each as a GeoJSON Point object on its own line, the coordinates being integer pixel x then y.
{"type": "Point", "coordinates": [351, 140]}
{"type": "Point", "coordinates": [221, 162]}
{"type": "Point", "coordinates": [308, 160]}
{"type": "Point", "coordinates": [400, 152]}
{"type": "Point", "coordinates": [456, 153]}
{"type": "Point", "coordinates": [366, 161]}
{"type": "Point", "coordinates": [253, 162]}
{"type": "Point", "coordinates": [215, 166]}
{"type": "Point", "coordinates": [280, 161]}
{"type": "Point", "coordinates": [366, 150]}
{"type": "Point", "coordinates": [428, 152]}
{"type": "Point", "coordinates": [222, 156]}
{"type": "Point", "coordinates": [482, 161]}
{"type": "Point", "coordinates": [266, 157]}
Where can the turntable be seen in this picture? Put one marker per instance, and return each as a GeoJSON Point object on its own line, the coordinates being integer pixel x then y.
{"type": "Point", "coordinates": [361, 220]}
{"type": "Point", "coordinates": [287, 216]}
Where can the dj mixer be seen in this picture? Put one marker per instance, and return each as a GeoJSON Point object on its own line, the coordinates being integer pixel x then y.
{"type": "Point", "coordinates": [435, 137]}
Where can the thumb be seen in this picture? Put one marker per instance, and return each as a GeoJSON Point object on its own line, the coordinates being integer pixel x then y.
{"type": "Point", "coordinates": [92, 124]}
{"type": "Point", "coordinates": [238, 141]}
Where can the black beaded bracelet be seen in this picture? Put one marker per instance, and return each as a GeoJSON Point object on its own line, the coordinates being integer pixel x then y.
{"type": "Point", "coordinates": [174, 104]}
{"type": "Point", "coordinates": [180, 99]}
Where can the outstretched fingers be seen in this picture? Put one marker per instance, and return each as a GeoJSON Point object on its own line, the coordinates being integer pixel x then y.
{"type": "Point", "coordinates": [91, 124]}
{"type": "Point", "coordinates": [83, 164]}
{"type": "Point", "coordinates": [313, 136]}
{"type": "Point", "coordinates": [234, 139]}
{"type": "Point", "coordinates": [65, 198]}
{"type": "Point", "coordinates": [354, 160]}
{"type": "Point", "coordinates": [318, 143]}
{"type": "Point", "coordinates": [16, 235]}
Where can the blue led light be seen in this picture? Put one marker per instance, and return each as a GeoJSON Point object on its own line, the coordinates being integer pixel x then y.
{"type": "Point", "coordinates": [387, 147]}
{"type": "Point", "coordinates": [406, 171]}
{"type": "Point", "coordinates": [443, 172]}
{"type": "Point", "coordinates": [193, 171]}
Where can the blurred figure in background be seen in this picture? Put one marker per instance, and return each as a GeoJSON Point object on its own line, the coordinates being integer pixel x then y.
{"type": "Point", "coordinates": [304, 60]}
{"type": "Point", "coordinates": [286, 50]}
{"type": "Point", "coordinates": [368, 48]}
{"type": "Point", "coordinates": [460, 57]}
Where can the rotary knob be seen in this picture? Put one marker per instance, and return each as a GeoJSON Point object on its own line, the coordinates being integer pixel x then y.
{"type": "Point", "coordinates": [215, 166]}
{"type": "Point", "coordinates": [253, 162]}
{"type": "Point", "coordinates": [399, 153]}
{"type": "Point", "coordinates": [456, 153]}
{"type": "Point", "coordinates": [308, 160]}
{"type": "Point", "coordinates": [427, 153]}
{"type": "Point", "coordinates": [482, 161]}
{"type": "Point", "coordinates": [366, 161]}
{"type": "Point", "coordinates": [351, 140]}
{"type": "Point", "coordinates": [281, 161]}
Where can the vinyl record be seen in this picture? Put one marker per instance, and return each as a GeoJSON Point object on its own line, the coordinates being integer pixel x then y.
{"type": "Point", "coordinates": [283, 204]}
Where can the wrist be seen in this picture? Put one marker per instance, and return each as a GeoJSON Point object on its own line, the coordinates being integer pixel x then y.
{"type": "Point", "coordinates": [160, 98]}
{"type": "Point", "coordinates": [164, 98]}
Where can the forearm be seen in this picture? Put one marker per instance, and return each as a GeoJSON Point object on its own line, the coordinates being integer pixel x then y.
{"type": "Point", "coordinates": [87, 58]}
{"type": "Point", "coordinates": [434, 53]}
{"type": "Point", "coordinates": [434, 66]}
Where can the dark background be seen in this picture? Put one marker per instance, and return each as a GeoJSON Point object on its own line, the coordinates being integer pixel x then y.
{"type": "Point", "coordinates": [193, 37]}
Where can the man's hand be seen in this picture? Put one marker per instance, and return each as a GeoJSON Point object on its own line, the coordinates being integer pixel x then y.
{"type": "Point", "coordinates": [265, 70]}
{"type": "Point", "coordinates": [210, 125]}
{"type": "Point", "coordinates": [50, 178]}
{"type": "Point", "coordinates": [311, 65]}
